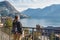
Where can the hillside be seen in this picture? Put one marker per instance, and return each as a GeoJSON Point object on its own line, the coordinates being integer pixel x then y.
{"type": "Point", "coordinates": [6, 9]}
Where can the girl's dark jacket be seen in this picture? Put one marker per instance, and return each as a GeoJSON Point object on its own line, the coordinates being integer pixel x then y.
{"type": "Point", "coordinates": [18, 25]}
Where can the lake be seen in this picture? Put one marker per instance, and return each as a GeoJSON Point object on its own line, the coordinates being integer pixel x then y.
{"type": "Point", "coordinates": [43, 22]}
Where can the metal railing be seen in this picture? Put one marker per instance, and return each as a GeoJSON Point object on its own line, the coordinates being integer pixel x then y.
{"type": "Point", "coordinates": [30, 33]}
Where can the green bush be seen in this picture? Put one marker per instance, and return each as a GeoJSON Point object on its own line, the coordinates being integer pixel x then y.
{"type": "Point", "coordinates": [8, 22]}
{"type": "Point", "coordinates": [52, 36]}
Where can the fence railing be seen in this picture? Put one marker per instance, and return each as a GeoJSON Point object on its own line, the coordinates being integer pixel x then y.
{"type": "Point", "coordinates": [30, 33]}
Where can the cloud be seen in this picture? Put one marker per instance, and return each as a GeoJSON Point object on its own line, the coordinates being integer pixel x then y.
{"type": "Point", "coordinates": [23, 4]}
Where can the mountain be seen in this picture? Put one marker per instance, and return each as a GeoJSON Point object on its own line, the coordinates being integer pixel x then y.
{"type": "Point", "coordinates": [6, 9]}
{"type": "Point", "coordinates": [32, 12]}
{"type": "Point", "coordinates": [52, 11]}
{"type": "Point", "coordinates": [52, 28]}
{"type": "Point", "coordinates": [8, 6]}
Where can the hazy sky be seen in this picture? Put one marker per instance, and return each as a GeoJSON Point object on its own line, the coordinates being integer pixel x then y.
{"type": "Point", "coordinates": [24, 4]}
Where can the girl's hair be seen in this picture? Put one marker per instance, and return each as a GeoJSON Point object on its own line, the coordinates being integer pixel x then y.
{"type": "Point", "coordinates": [16, 17]}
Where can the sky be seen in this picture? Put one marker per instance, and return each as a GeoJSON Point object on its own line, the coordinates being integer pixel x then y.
{"type": "Point", "coordinates": [21, 5]}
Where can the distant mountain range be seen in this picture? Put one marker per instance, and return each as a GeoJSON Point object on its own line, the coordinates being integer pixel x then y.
{"type": "Point", "coordinates": [52, 11]}
{"type": "Point", "coordinates": [6, 9]}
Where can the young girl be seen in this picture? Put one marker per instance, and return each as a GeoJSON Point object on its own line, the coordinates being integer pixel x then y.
{"type": "Point", "coordinates": [16, 29]}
